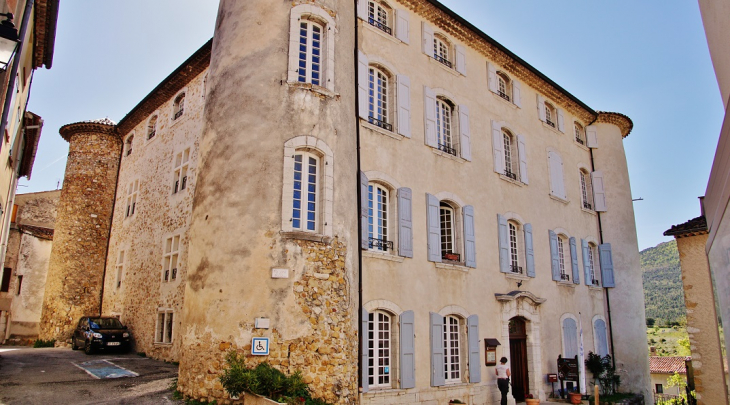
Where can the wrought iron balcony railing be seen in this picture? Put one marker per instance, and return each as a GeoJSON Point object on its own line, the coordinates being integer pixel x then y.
{"type": "Point", "coordinates": [377, 24]}
{"type": "Point", "coordinates": [443, 60]}
{"type": "Point", "coordinates": [503, 95]}
{"type": "Point", "coordinates": [596, 283]}
{"type": "Point", "coordinates": [179, 113]}
{"type": "Point", "coordinates": [565, 277]}
{"type": "Point", "coordinates": [447, 149]}
{"type": "Point", "coordinates": [549, 122]}
{"type": "Point", "coordinates": [380, 244]}
{"type": "Point", "coordinates": [508, 173]}
{"type": "Point", "coordinates": [587, 205]}
{"type": "Point", "coordinates": [381, 124]}
{"type": "Point", "coordinates": [580, 140]}
{"type": "Point", "coordinates": [515, 269]}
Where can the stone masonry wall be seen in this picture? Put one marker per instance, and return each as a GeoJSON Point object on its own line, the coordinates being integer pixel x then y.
{"type": "Point", "coordinates": [326, 357]}
{"type": "Point", "coordinates": [74, 282]}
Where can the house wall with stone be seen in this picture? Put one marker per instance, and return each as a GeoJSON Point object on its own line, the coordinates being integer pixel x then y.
{"type": "Point", "coordinates": [29, 249]}
{"type": "Point", "coordinates": [138, 291]}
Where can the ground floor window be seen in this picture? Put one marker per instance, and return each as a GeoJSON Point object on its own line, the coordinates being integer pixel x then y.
{"type": "Point", "coordinates": [163, 332]}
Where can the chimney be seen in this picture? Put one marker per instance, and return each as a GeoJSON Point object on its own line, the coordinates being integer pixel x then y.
{"type": "Point", "coordinates": [702, 205]}
{"type": "Point", "coordinates": [652, 350]}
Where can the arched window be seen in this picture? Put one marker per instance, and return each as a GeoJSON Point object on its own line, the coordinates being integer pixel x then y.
{"type": "Point", "coordinates": [511, 158]}
{"type": "Point", "coordinates": [128, 145]}
{"type": "Point", "coordinates": [379, 16]}
{"type": "Point", "coordinates": [378, 218]}
{"type": "Point", "coordinates": [310, 52]}
{"type": "Point", "coordinates": [380, 349]}
{"type": "Point", "coordinates": [152, 127]}
{"type": "Point", "coordinates": [580, 133]}
{"type": "Point", "coordinates": [586, 190]}
{"type": "Point", "coordinates": [550, 115]}
{"type": "Point", "coordinates": [306, 191]}
{"type": "Point", "coordinates": [448, 227]}
{"type": "Point", "coordinates": [516, 247]}
{"type": "Point", "coordinates": [504, 86]}
{"type": "Point", "coordinates": [379, 100]}
{"type": "Point", "coordinates": [444, 119]}
{"type": "Point", "coordinates": [452, 349]}
{"type": "Point", "coordinates": [600, 336]}
{"type": "Point", "coordinates": [441, 50]}
{"type": "Point", "coordinates": [178, 106]}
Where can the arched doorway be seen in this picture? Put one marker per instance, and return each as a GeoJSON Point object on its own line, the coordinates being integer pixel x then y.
{"type": "Point", "coordinates": [518, 356]}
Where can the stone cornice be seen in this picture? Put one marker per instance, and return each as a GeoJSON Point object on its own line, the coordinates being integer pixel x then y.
{"type": "Point", "coordinates": [460, 29]}
{"type": "Point", "coordinates": [69, 130]}
{"type": "Point", "coordinates": [623, 122]}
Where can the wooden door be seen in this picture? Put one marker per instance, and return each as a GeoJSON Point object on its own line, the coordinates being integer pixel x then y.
{"type": "Point", "coordinates": [518, 355]}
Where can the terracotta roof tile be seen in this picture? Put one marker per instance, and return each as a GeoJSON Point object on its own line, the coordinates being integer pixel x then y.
{"type": "Point", "coordinates": [668, 365]}
{"type": "Point", "coordinates": [692, 227]}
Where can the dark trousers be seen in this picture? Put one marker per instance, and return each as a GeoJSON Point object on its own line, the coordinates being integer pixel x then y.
{"type": "Point", "coordinates": [503, 385]}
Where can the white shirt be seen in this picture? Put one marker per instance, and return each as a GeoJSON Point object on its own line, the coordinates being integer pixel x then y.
{"type": "Point", "coordinates": [502, 370]}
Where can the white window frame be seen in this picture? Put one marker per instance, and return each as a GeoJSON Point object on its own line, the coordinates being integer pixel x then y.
{"type": "Point", "coordinates": [447, 222]}
{"type": "Point", "coordinates": [165, 325]}
{"type": "Point", "coordinates": [120, 268]}
{"type": "Point", "coordinates": [580, 134]}
{"type": "Point", "coordinates": [377, 323]}
{"type": "Point", "coordinates": [178, 106]}
{"type": "Point", "coordinates": [325, 201]}
{"type": "Point", "coordinates": [382, 228]}
{"type": "Point", "coordinates": [442, 50]}
{"type": "Point", "coordinates": [313, 13]}
{"type": "Point", "coordinates": [511, 155]}
{"type": "Point", "coordinates": [132, 194]}
{"type": "Point", "coordinates": [301, 212]}
{"type": "Point", "coordinates": [445, 138]}
{"type": "Point", "coordinates": [564, 258]}
{"type": "Point", "coordinates": [551, 115]}
{"type": "Point", "coordinates": [586, 190]}
{"type": "Point", "coordinates": [516, 237]}
{"type": "Point", "coordinates": [453, 364]}
{"type": "Point", "coordinates": [504, 86]}
{"type": "Point", "coordinates": [181, 171]}
{"type": "Point", "coordinates": [593, 259]}
{"type": "Point", "coordinates": [380, 100]}
{"type": "Point", "coordinates": [376, 11]}
{"type": "Point", "coordinates": [171, 258]}
{"type": "Point", "coordinates": [128, 144]}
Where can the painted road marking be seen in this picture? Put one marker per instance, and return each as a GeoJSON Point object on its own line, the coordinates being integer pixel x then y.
{"type": "Point", "coordinates": [104, 369]}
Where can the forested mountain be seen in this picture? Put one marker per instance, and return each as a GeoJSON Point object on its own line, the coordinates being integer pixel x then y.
{"type": "Point", "coordinates": [663, 293]}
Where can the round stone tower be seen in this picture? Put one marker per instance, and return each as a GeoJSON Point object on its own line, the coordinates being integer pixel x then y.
{"type": "Point", "coordinates": [76, 268]}
{"type": "Point", "coordinates": [256, 267]}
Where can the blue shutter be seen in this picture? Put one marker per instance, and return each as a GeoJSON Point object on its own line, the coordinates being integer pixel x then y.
{"type": "Point", "coordinates": [405, 222]}
{"type": "Point", "coordinates": [529, 251]}
{"type": "Point", "coordinates": [574, 261]}
{"type": "Point", "coordinates": [475, 361]}
{"type": "Point", "coordinates": [364, 352]}
{"type": "Point", "coordinates": [470, 248]}
{"type": "Point", "coordinates": [570, 330]}
{"type": "Point", "coordinates": [437, 350]}
{"type": "Point", "coordinates": [364, 241]}
{"type": "Point", "coordinates": [363, 84]}
{"type": "Point", "coordinates": [554, 258]}
{"type": "Point", "coordinates": [407, 351]}
{"type": "Point", "coordinates": [604, 252]}
{"type": "Point", "coordinates": [599, 329]}
{"type": "Point", "coordinates": [586, 261]}
{"type": "Point", "coordinates": [434, 228]}
{"type": "Point", "coordinates": [503, 244]}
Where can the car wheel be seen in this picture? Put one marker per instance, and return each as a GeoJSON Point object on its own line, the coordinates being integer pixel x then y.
{"type": "Point", "coordinates": [88, 349]}
{"type": "Point", "coordinates": [73, 344]}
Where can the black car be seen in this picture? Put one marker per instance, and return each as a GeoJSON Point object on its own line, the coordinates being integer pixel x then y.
{"type": "Point", "coordinates": [100, 332]}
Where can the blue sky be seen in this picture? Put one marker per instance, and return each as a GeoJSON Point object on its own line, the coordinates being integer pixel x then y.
{"type": "Point", "coordinates": [646, 59]}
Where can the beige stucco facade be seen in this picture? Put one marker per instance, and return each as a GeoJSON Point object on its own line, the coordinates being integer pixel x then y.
{"type": "Point", "coordinates": [246, 265]}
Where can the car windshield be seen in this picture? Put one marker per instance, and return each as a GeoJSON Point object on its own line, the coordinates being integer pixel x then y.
{"type": "Point", "coordinates": [105, 323]}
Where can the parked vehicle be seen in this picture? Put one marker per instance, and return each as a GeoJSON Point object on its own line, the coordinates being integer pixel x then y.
{"type": "Point", "coordinates": [100, 333]}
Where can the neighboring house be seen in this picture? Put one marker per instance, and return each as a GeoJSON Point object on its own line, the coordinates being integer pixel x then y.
{"type": "Point", "coordinates": [26, 265]}
{"type": "Point", "coordinates": [34, 27]}
{"type": "Point", "coordinates": [661, 368]}
{"type": "Point", "coordinates": [377, 217]}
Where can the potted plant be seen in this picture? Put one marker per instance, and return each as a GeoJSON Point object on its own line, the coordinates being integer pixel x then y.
{"type": "Point", "coordinates": [530, 400]}
{"type": "Point", "coordinates": [575, 397]}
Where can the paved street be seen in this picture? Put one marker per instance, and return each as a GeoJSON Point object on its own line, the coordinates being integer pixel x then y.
{"type": "Point", "coordinates": [63, 376]}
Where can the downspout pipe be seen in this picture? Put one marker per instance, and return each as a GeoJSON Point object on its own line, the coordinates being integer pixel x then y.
{"type": "Point", "coordinates": [608, 297]}
{"type": "Point", "coordinates": [359, 208]}
{"type": "Point", "coordinates": [16, 66]}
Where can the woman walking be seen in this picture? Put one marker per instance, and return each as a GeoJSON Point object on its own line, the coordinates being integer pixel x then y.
{"type": "Point", "coordinates": [503, 375]}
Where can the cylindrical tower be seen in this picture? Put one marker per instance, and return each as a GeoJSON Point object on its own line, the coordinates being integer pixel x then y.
{"type": "Point", "coordinates": [273, 236]}
{"type": "Point", "coordinates": [76, 268]}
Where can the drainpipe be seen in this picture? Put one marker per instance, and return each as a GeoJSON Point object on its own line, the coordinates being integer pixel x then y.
{"type": "Point", "coordinates": [359, 207]}
{"type": "Point", "coordinates": [608, 298]}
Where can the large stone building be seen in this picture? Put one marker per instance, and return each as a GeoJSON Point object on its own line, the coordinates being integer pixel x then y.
{"type": "Point", "coordinates": [379, 189]}
{"type": "Point", "coordinates": [30, 28]}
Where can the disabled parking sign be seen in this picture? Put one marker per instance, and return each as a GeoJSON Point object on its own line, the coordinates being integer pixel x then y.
{"type": "Point", "coordinates": [260, 346]}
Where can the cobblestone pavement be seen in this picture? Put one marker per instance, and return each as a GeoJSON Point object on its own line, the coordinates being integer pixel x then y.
{"type": "Point", "coordinates": [62, 376]}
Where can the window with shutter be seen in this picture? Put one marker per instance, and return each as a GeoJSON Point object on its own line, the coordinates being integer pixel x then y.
{"type": "Point", "coordinates": [460, 59]}
{"type": "Point", "coordinates": [402, 25]}
{"type": "Point", "coordinates": [529, 251]}
{"type": "Point", "coordinates": [475, 364]}
{"type": "Point", "coordinates": [405, 222]}
{"type": "Point", "coordinates": [379, 15]}
{"type": "Point", "coordinates": [574, 260]}
{"type": "Point", "coordinates": [379, 100]}
{"type": "Point", "coordinates": [504, 244]}
{"type": "Point", "coordinates": [580, 135]}
{"type": "Point", "coordinates": [557, 184]}
{"type": "Point", "coordinates": [522, 153]}
{"type": "Point", "coordinates": [470, 252]}
{"type": "Point", "coordinates": [452, 350]}
{"type": "Point", "coordinates": [570, 338]}
{"type": "Point", "coordinates": [433, 223]}
{"type": "Point", "coordinates": [437, 350]}
{"type": "Point", "coordinates": [407, 351]}
{"type": "Point", "coordinates": [430, 117]}
{"type": "Point", "coordinates": [465, 132]}
{"type": "Point", "coordinates": [606, 258]}
{"type": "Point", "coordinates": [378, 218]}
{"type": "Point", "coordinates": [379, 349]}
{"type": "Point", "coordinates": [586, 189]}
{"type": "Point", "coordinates": [498, 147]}
{"type": "Point", "coordinates": [601, 337]}
{"type": "Point", "coordinates": [599, 193]}
{"type": "Point", "coordinates": [404, 105]}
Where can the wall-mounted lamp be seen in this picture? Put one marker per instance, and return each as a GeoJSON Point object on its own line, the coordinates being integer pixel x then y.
{"type": "Point", "coordinates": [8, 40]}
